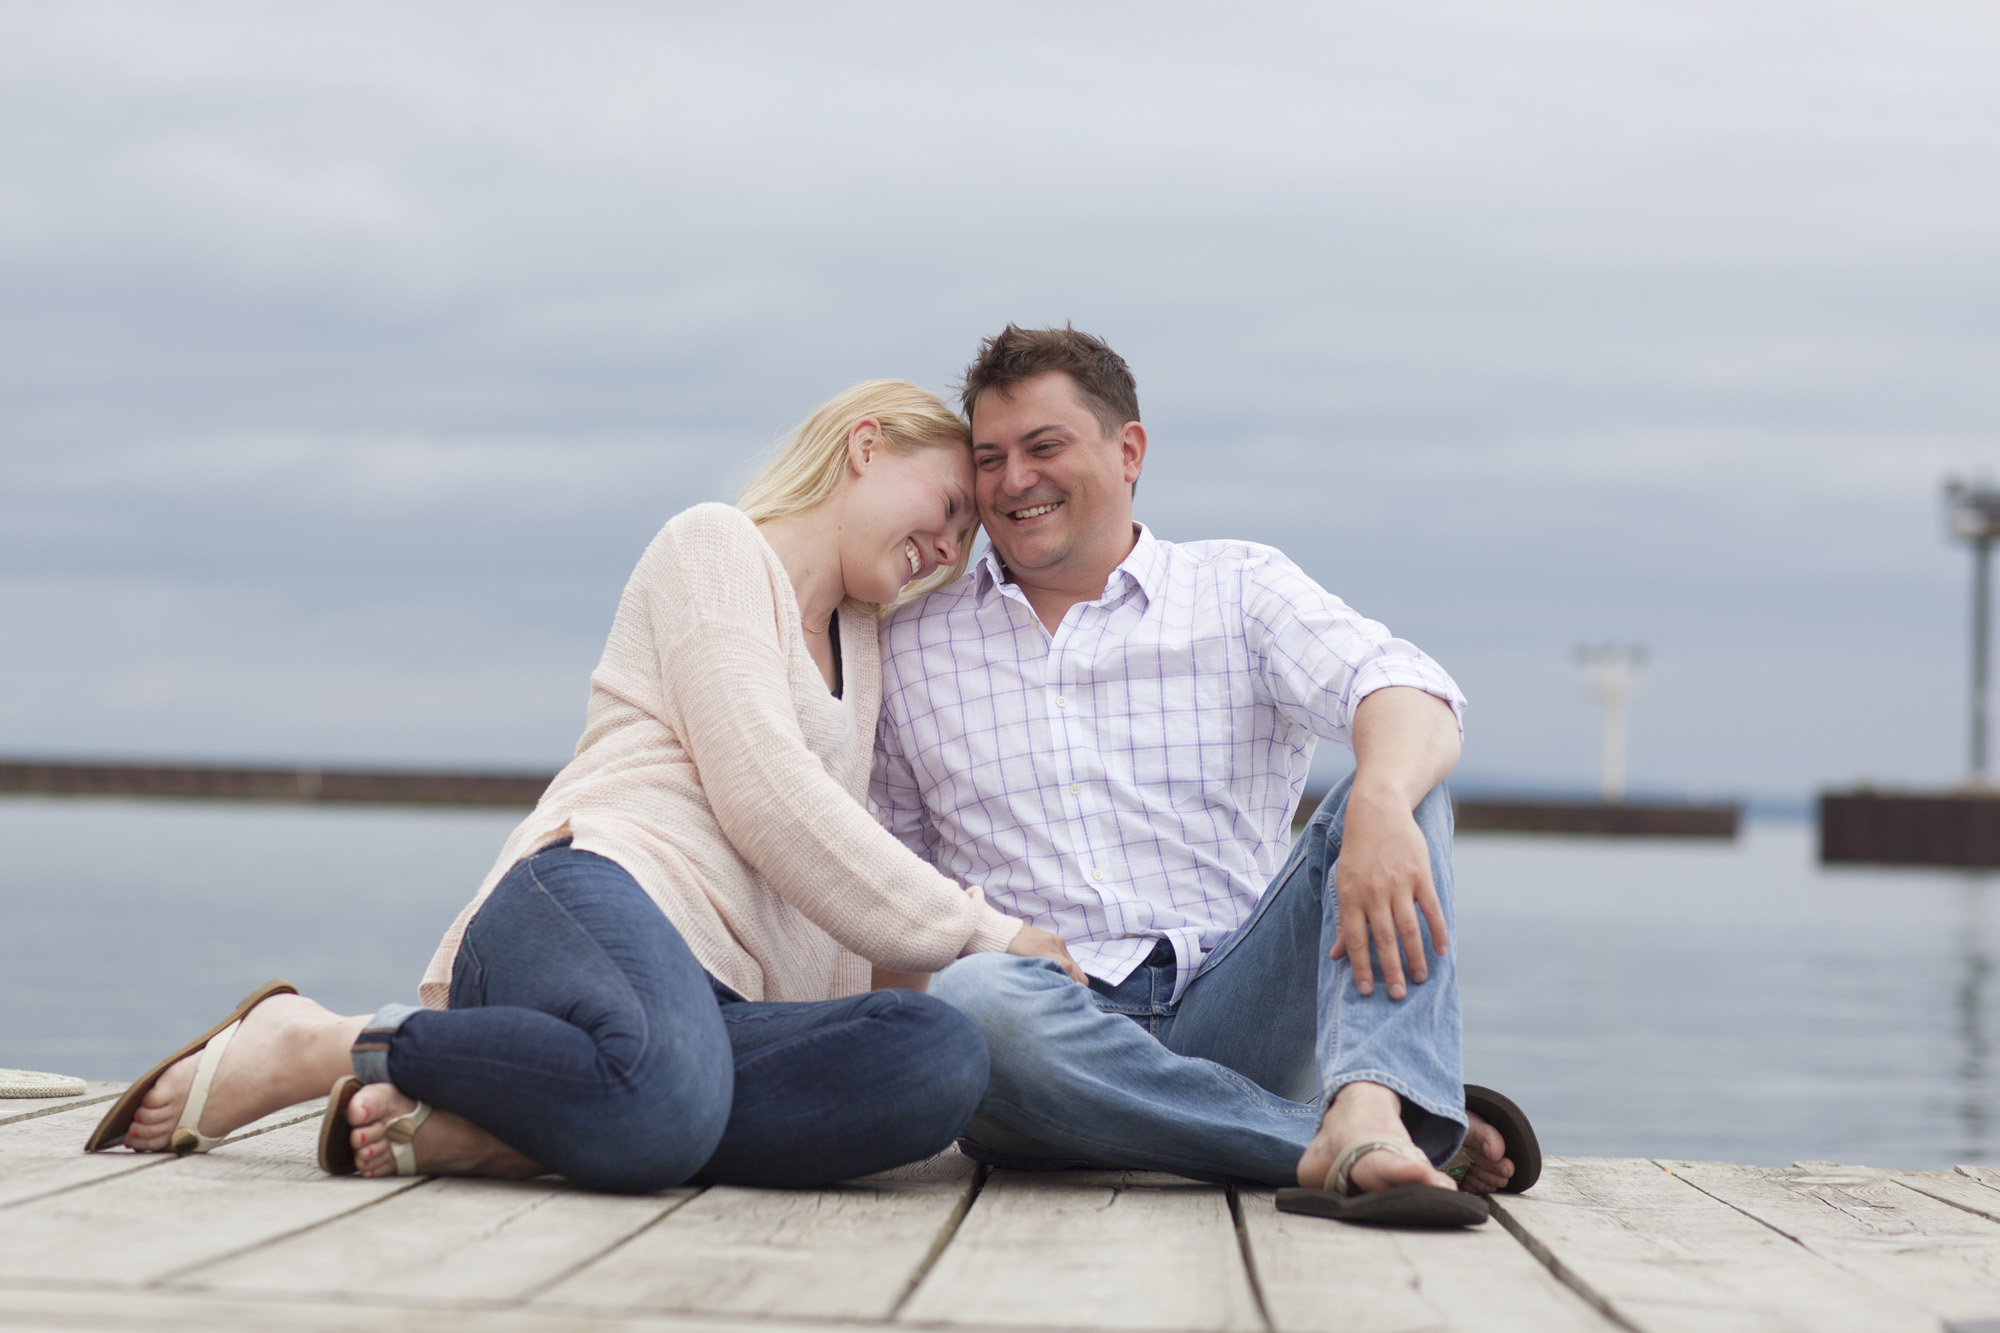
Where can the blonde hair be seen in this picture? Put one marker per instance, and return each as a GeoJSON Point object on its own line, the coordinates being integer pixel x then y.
{"type": "Point", "coordinates": [808, 466]}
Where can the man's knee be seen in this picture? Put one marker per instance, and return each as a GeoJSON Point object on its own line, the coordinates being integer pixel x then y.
{"type": "Point", "coordinates": [1011, 1000]}
{"type": "Point", "coordinates": [1032, 1017]}
{"type": "Point", "coordinates": [989, 987]}
{"type": "Point", "coordinates": [1434, 814]}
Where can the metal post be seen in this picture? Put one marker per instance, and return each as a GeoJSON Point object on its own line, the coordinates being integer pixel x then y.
{"type": "Point", "coordinates": [1972, 511]}
{"type": "Point", "coordinates": [1610, 672]}
{"type": "Point", "coordinates": [1982, 563]}
{"type": "Point", "coordinates": [1611, 758]}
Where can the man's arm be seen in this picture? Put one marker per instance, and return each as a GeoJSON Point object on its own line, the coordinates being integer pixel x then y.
{"type": "Point", "coordinates": [1346, 678]}
{"type": "Point", "coordinates": [1405, 743]}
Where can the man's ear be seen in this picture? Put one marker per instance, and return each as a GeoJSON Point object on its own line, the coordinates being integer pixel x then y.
{"type": "Point", "coordinates": [864, 443]}
{"type": "Point", "coordinates": [1132, 449]}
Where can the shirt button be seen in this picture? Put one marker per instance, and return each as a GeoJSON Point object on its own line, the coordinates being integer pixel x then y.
{"type": "Point", "coordinates": [1061, 702]}
{"type": "Point", "coordinates": [1074, 788]}
{"type": "Point", "coordinates": [1097, 874]}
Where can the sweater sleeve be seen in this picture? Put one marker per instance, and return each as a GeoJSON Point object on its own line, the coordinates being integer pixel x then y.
{"type": "Point", "coordinates": [714, 619]}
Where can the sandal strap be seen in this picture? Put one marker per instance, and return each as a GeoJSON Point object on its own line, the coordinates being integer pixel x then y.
{"type": "Point", "coordinates": [1340, 1180]}
{"type": "Point", "coordinates": [400, 1132]}
{"type": "Point", "coordinates": [188, 1137]}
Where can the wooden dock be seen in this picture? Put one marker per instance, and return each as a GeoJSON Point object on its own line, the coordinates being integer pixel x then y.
{"type": "Point", "coordinates": [253, 1236]}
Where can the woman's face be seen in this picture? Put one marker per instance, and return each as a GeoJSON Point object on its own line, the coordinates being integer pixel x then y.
{"type": "Point", "coordinates": [905, 516]}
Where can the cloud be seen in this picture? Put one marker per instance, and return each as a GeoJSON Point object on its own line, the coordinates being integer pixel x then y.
{"type": "Point", "coordinates": [358, 346]}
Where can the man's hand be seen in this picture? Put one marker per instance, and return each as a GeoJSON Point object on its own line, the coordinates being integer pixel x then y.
{"type": "Point", "coordinates": [1032, 943]}
{"type": "Point", "coordinates": [1383, 878]}
{"type": "Point", "coordinates": [1405, 743]}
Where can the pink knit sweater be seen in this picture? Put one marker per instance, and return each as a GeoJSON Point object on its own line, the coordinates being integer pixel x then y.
{"type": "Point", "coordinates": [717, 769]}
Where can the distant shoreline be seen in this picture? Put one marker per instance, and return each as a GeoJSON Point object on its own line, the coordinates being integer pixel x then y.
{"type": "Point", "coordinates": [321, 785]}
{"type": "Point", "coordinates": [311, 784]}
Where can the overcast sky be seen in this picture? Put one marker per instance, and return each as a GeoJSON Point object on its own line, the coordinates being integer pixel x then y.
{"type": "Point", "coordinates": [350, 354]}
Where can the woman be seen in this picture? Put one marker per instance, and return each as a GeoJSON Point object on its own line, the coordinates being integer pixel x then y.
{"type": "Point", "coordinates": [664, 978]}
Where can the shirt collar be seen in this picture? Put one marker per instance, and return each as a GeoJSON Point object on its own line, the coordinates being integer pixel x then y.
{"type": "Point", "coordinates": [1145, 568]}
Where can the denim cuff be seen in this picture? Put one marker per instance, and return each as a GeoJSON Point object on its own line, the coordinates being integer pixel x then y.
{"type": "Point", "coordinates": [371, 1048]}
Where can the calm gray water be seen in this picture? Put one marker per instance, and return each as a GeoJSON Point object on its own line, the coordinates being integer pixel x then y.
{"type": "Point", "coordinates": [1733, 1002]}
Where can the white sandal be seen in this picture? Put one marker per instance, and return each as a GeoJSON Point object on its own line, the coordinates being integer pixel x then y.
{"type": "Point", "coordinates": [187, 1135]}
{"type": "Point", "coordinates": [400, 1132]}
{"type": "Point", "coordinates": [336, 1146]}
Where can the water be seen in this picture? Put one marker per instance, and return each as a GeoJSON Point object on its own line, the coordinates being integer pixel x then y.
{"type": "Point", "coordinates": [1734, 1002]}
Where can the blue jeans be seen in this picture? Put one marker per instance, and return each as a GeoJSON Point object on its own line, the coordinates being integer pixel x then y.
{"type": "Point", "coordinates": [1230, 1082]}
{"type": "Point", "coordinates": [583, 1034]}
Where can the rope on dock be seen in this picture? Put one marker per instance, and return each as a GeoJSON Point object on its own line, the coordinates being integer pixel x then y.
{"type": "Point", "coordinates": [28, 1083]}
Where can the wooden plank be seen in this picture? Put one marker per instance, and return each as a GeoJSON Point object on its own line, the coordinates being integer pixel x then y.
{"type": "Point", "coordinates": [1114, 1249]}
{"type": "Point", "coordinates": [157, 1312]}
{"type": "Point", "coordinates": [847, 1252]}
{"type": "Point", "coordinates": [1985, 1175]}
{"type": "Point", "coordinates": [1660, 1255]}
{"type": "Point", "coordinates": [45, 1154]}
{"type": "Point", "coordinates": [453, 1242]}
{"type": "Point", "coordinates": [1939, 1258]}
{"type": "Point", "coordinates": [29, 1108]}
{"type": "Point", "coordinates": [1318, 1276]}
{"type": "Point", "coordinates": [145, 1225]}
{"type": "Point", "coordinates": [1953, 1188]}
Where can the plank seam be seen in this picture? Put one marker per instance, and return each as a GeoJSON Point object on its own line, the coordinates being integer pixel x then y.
{"type": "Point", "coordinates": [173, 1276]}
{"type": "Point", "coordinates": [1559, 1270]}
{"type": "Point", "coordinates": [82, 1184]}
{"type": "Point", "coordinates": [529, 1295]}
{"type": "Point", "coordinates": [1989, 1214]}
{"type": "Point", "coordinates": [164, 1160]}
{"type": "Point", "coordinates": [1762, 1222]}
{"type": "Point", "coordinates": [66, 1104]}
{"type": "Point", "coordinates": [1249, 1259]}
{"type": "Point", "coordinates": [945, 1235]}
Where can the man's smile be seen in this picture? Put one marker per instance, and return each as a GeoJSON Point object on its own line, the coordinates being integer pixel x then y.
{"type": "Point", "coordinates": [1033, 511]}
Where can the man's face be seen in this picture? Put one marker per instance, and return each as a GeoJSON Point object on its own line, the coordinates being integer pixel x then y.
{"type": "Point", "coordinates": [1054, 491]}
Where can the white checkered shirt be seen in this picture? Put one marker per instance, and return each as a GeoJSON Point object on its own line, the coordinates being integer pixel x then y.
{"type": "Point", "coordinates": [1132, 777]}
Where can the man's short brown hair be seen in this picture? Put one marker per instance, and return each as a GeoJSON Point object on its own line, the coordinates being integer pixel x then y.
{"type": "Point", "coordinates": [1016, 354]}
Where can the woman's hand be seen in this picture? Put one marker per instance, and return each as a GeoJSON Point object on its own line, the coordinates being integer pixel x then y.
{"type": "Point", "coordinates": [1032, 943]}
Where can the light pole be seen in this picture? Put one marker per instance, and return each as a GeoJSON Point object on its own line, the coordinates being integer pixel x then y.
{"type": "Point", "coordinates": [1610, 673]}
{"type": "Point", "coordinates": [1973, 511]}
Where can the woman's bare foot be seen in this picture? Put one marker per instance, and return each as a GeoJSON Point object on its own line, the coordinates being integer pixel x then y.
{"type": "Point", "coordinates": [287, 1050]}
{"type": "Point", "coordinates": [1490, 1167]}
{"type": "Point", "coordinates": [445, 1144]}
{"type": "Point", "coordinates": [1363, 1111]}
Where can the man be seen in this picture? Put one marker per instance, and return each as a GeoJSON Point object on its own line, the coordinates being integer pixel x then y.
{"type": "Point", "coordinates": [1109, 733]}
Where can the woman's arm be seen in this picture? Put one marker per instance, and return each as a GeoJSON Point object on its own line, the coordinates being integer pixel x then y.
{"type": "Point", "coordinates": [726, 681]}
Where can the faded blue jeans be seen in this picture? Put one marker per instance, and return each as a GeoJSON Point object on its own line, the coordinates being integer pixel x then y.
{"type": "Point", "coordinates": [1230, 1082]}
{"type": "Point", "coordinates": [583, 1034]}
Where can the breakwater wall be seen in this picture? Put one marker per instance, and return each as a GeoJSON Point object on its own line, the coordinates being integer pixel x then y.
{"type": "Point", "coordinates": [307, 785]}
